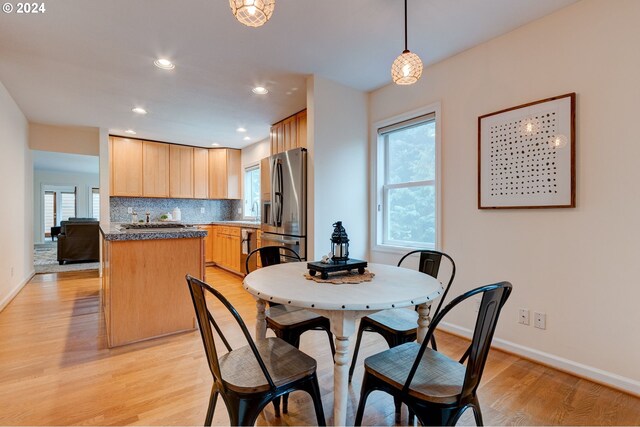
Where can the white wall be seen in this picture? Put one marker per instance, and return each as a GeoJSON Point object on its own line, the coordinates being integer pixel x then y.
{"type": "Point", "coordinates": [65, 139]}
{"type": "Point", "coordinates": [105, 177]}
{"type": "Point", "coordinates": [16, 187]}
{"type": "Point", "coordinates": [83, 183]}
{"type": "Point", "coordinates": [251, 156]}
{"type": "Point", "coordinates": [337, 166]}
{"type": "Point", "coordinates": [580, 265]}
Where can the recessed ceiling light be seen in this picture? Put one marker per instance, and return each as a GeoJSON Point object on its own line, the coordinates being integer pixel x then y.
{"type": "Point", "coordinates": [215, 144]}
{"type": "Point", "coordinates": [247, 138]}
{"type": "Point", "coordinates": [241, 130]}
{"type": "Point", "coordinates": [130, 131]}
{"type": "Point", "coordinates": [260, 90]}
{"type": "Point", "coordinates": [139, 110]}
{"type": "Point", "coordinates": [163, 63]}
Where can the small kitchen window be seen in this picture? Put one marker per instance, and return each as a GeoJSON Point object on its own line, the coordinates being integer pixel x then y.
{"type": "Point", "coordinates": [407, 178]}
{"type": "Point", "coordinates": [252, 192]}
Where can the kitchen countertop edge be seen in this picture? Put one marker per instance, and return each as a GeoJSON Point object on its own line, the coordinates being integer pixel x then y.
{"type": "Point", "coordinates": [110, 232]}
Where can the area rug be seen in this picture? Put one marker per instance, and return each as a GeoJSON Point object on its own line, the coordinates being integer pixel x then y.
{"type": "Point", "coordinates": [45, 260]}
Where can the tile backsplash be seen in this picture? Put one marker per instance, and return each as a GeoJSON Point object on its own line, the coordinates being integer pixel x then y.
{"type": "Point", "coordinates": [190, 209]}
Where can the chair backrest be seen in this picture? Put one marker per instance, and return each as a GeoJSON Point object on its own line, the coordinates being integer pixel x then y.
{"type": "Point", "coordinates": [493, 299]}
{"type": "Point", "coordinates": [198, 290]}
{"type": "Point", "coordinates": [270, 255]}
{"type": "Point", "coordinates": [429, 263]}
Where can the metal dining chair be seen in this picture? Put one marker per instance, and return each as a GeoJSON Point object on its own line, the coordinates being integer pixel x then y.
{"type": "Point", "coordinates": [249, 377]}
{"type": "Point", "coordinates": [435, 387]}
{"type": "Point", "coordinates": [398, 326]}
{"type": "Point", "coordinates": [288, 323]}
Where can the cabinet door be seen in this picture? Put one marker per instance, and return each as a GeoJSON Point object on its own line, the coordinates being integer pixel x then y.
{"type": "Point", "coordinates": [180, 171]}
{"type": "Point", "coordinates": [217, 244]}
{"type": "Point", "coordinates": [201, 173]}
{"type": "Point", "coordinates": [217, 173]}
{"type": "Point", "coordinates": [301, 129]}
{"type": "Point", "coordinates": [235, 243]}
{"type": "Point", "coordinates": [281, 142]}
{"type": "Point", "coordinates": [155, 167]}
{"type": "Point", "coordinates": [208, 243]}
{"type": "Point", "coordinates": [126, 167]}
{"type": "Point", "coordinates": [274, 138]}
{"type": "Point", "coordinates": [290, 133]}
{"type": "Point", "coordinates": [234, 171]}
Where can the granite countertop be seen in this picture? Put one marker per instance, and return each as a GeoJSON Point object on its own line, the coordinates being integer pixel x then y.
{"type": "Point", "coordinates": [112, 231]}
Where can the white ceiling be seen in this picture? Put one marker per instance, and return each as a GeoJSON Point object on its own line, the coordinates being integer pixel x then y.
{"type": "Point", "coordinates": [88, 63]}
{"type": "Point", "coordinates": [63, 162]}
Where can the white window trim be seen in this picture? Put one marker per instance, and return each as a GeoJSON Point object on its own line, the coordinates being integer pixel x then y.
{"type": "Point", "coordinates": [248, 167]}
{"type": "Point", "coordinates": [377, 180]}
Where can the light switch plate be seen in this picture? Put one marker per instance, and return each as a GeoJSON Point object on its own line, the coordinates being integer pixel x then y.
{"type": "Point", "coordinates": [201, 210]}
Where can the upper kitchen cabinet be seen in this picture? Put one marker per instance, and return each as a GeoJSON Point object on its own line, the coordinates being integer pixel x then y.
{"type": "Point", "coordinates": [155, 169]}
{"type": "Point", "coordinates": [126, 167]}
{"type": "Point", "coordinates": [289, 133]}
{"type": "Point", "coordinates": [200, 173]}
{"type": "Point", "coordinates": [181, 176]}
{"type": "Point", "coordinates": [224, 173]}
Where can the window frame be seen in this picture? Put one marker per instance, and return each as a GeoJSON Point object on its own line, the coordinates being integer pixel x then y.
{"type": "Point", "coordinates": [379, 190]}
{"type": "Point", "coordinates": [91, 192]}
{"type": "Point", "coordinates": [249, 168]}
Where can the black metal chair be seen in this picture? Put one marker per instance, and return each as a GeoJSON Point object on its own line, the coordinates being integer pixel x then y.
{"type": "Point", "coordinates": [288, 323]}
{"type": "Point", "coordinates": [434, 387]}
{"type": "Point", "coordinates": [399, 326]}
{"type": "Point", "coordinates": [249, 377]}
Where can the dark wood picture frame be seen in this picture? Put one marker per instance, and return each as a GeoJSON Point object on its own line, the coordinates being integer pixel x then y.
{"type": "Point", "coordinates": [529, 196]}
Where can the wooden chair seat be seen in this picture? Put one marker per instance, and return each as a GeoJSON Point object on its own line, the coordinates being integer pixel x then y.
{"type": "Point", "coordinates": [439, 380]}
{"type": "Point", "coordinates": [398, 320]}
{"type": "Point", "coordinates": [281, 317]}
{"type": "Point", "coordinates": [285, 363]}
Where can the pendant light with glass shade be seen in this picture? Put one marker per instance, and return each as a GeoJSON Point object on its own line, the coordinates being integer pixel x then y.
{"type": "Point", "coordinates": [407, 68]}
{"type": "Point", "coordinates": [252, 13]}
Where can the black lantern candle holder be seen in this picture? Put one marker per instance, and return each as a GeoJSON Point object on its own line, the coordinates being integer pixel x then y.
{"type": "Point", "coordinates": [339, 243]}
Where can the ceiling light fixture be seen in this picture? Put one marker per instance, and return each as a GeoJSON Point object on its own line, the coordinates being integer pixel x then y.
{"type": "Point", "coordinates": [259, 90]}
{"type": "Point", "coordinates": [139, 110]}
{"type": "Point", "coordinates": [215, 144]}
{"type": "Point", "coordinates": [164, 64]}
{"type": "Point", "coordinates": [247, 138]}
{"type": "Point", "coordinates": [252, 13]}
{"type": "Point", "coordinates": [407, 68]}
{"type": "Point", "coordinates": [241, 130]}
{"type": "Point", "coordinates": [130, 131]}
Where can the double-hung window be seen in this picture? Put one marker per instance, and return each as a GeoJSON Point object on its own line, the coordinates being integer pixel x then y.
{"type": "Point", "coordinates": [252, 192]}
{"type": "Point", "coordinates": [407, 183]}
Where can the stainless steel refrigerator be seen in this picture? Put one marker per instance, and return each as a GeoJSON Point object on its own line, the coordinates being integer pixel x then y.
{"type": "Point", "coordinates": [283, 188]}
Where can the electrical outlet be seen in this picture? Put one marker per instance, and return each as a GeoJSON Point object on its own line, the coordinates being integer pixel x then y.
{"type": "Point", "coordinates": [239, 210]}
{"type": "Point", "coordinates": [523, 316]}
{"type": "Point", "coordinates": [540, 320]}
{"type": "Point", "coordinates": [130, 210]}
{"type": "Point", "coordinates": [201, 210]}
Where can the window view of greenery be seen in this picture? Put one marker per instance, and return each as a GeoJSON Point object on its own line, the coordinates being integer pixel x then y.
{"type": "Point", "coordinates": [409, 191]}
{"type": "Point", "coordinates": [252, 192]}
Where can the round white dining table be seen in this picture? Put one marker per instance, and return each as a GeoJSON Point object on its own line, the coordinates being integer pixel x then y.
{"type": "Point", "coordinates": [392, 287]}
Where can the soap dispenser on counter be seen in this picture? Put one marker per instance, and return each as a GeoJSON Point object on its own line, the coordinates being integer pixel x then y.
{"type": "Point", "coordinates": [177, 215]}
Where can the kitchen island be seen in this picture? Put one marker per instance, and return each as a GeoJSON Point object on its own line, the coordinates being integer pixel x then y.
{"type": "Point", "coordinates": [144, 292]}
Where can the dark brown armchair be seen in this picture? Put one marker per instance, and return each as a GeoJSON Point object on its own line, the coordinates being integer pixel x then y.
{"type": "Point", "coordinates": [79, 242]}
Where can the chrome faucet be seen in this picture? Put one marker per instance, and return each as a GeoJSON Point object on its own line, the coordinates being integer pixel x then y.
{"type": "Point", "coordinates": [254, 209]}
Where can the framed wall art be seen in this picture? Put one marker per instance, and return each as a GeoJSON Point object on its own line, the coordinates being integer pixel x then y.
{"type": "Point", "coordinates": [526, 156]}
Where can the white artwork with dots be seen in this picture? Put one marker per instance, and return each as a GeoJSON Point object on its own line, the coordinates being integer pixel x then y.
{"type": "Point", "coordinates": [525, 160]}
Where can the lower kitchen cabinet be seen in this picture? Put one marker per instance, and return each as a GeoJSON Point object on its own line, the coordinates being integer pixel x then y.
{"type": "Point", "coordinates": [226, 247]}
{"type": "Point", "coordinates": [208, 243]}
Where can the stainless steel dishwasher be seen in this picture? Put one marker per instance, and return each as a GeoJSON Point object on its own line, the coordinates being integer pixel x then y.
{"type": "Point", "coordinates": [248, 243]}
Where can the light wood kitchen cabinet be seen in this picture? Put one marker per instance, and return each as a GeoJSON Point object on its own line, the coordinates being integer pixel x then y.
{"type": "Point", "coordinates": [126, 167]}
{"type": "Point", "coordinates": [200, 173]}
{"type": "Point", "coordinates": [224, 173]}
{"type": "Point", "coordinates": [180, 171]}
{"type": "Point", "coordinates": [289, 133]}
{"type": "Point", "coordinates": [301, 128]}
{"type": "Point", "coordinates": [155, 169]}
{"type": "Point", "coordinates": [208, 243]}
{"type": "Point", "coordinates": [227, 247]}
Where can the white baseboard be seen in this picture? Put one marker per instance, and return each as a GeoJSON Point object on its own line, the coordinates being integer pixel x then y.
{"type": "Point", "coordinates": [5, 302]}
{"type": "Point", "coordinates": [595, 374]}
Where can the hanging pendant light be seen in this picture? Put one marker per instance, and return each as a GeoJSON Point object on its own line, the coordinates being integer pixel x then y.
{"type": "Point", "coordinates": [252, 13]}
{"type": "Point", "coordinates": [407, 68]}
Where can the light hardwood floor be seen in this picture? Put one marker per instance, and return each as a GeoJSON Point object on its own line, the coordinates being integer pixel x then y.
{"type": "Point", "coordinates": [55, 369]}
